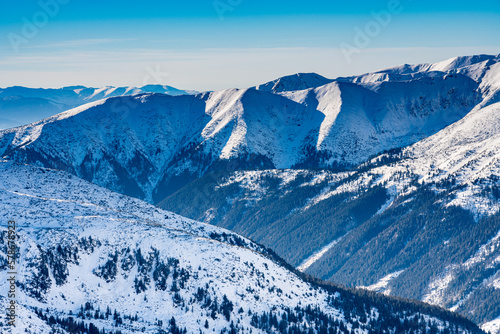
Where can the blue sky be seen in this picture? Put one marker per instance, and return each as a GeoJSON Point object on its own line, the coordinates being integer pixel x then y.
{"type": "Point", "coordinates": [209, 45]}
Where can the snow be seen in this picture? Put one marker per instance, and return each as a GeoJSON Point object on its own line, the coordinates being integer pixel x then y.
{"type": "Point", "coordinates": [54, 209]}
{"type": "Point", "coordinates": [484, 251]}
{"type": "Point", "coordinates": [437, 289]}
{"type": "Point", "coordinates": [97, 92]}
{"type": "Point", "coordinates": [299, 81]}
{"type": "Point", "coordinates": [392, 196]}
{"type": "Point", "coordinates": [26, 320]}
{"type": "Point", "coordinates": [492, 326]}
{"type": "Point", "coordinates": [382, 285]}
{"type": "Point", "coordinates": [254, 186]}
{"type": "Point", "coordinates": [318, 255]}
{"type": "Point", "coordinates": [496, 283]}
{"type": "Point", "coordinates": [249, 181]}
{"type": "Point", "coordinates": [346, 121]}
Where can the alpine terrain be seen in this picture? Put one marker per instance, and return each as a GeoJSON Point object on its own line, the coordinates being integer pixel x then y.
{"type": "Point", "coordinates": [92, 261]}
{"type": "Point", "coordinates": [388, 181]}
{"type": "Point", "coordinates": [22, 105]}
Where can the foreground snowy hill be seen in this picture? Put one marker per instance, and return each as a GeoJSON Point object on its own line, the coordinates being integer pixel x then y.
{"type": "Point", "coordinates": [90, 260]}
{"type": "Point", "coordinates": [22, 105]}
{"type": "Point", "coordinates": [148, 146]}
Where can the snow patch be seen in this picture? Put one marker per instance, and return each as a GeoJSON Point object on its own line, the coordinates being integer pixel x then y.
{"type": "Point", "coordinates": [318, 255]}
{"type": "Point", "coordinates": [437, 289]}
{"type": "Point", "coordinates": [382, 285]}
{"type": "Point", "coordinates": [492, 327]}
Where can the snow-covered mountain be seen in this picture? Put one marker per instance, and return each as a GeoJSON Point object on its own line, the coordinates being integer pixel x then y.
{"type": "Point", "coordinates": [388, 180]}
{"type": "Point", "coordinates": [148, 146]}
{"type": "Point", "coordinates": [22, 105]}
{"type": "Point", "coordinates": [422, 222]}
{"type": "Point", "coordinates": [299, 81]}
{"type": "Point", "coordinates": [89, 259]}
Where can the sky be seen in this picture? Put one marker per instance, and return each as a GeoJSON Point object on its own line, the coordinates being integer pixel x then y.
{"type": "Point", "coordinates": [220, 44]}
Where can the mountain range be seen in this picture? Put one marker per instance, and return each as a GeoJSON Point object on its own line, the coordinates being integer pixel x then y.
{"type": "Point", "coordinates": [22, 105]}
{"type": "Point", "coordinates": [387, 181]}
{"type": "Point", "coordinates": [150, 145]}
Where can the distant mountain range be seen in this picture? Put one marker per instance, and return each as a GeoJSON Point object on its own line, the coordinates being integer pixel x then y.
{"type": "Point", "coordinates": [388, 180]}
{"type": "Point", "coordinates": [22, 105]}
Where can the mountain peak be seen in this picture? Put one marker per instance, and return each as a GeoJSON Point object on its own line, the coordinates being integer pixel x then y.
{"type": "Point", "coordinates": [162, 89]}
{"type": "Point", "coordinates": [298, 81]}
{"type": "Point", "coordinates": [457, 63]}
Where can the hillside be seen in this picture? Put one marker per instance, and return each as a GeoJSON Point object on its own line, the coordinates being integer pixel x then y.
{"type": "Point", "coordinates": [92, 261]}
{"type": "Point", "coordinates": [423, 222]}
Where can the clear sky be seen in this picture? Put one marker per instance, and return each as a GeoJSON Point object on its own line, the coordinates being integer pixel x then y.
{"type": "Point", "coordinates": [218, 44]}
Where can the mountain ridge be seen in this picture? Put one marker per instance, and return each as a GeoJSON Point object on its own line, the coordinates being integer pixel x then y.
{"type": "Point", "coordinates": [21, 105]}
{"type": "Point", "coordinates": [337, 125]}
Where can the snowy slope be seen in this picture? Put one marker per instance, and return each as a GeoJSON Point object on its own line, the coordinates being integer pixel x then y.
{"type": "Point", "coordinates": [22, 105]}
{"type": "Point", "coordinates": [121, 264]}
{"type": "Point", "coordinates": [121, 143]}
{"type": "Point", "coordinates": [148, 146]}
{"type": "Point", "coordinates": [467, 151]}
{"type": "Point", "coordinates": [433, 223]}
{"type": "Point", "coordinates": [299, 81]}
{"type": "Point", "coordinates": [361, 121]}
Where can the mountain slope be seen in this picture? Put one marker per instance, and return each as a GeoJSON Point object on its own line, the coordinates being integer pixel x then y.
{"type": "Point", "coordinates": [301, 171]}
{"type": "Point", "coordinates": [422, 222]}
{"type": "Point", "coordinates": [91, 260]}
{"type": "Point", "coordinates": [172, 140]}
{"type": "Point", "coordinates": [299, 81]}
{"type": "Point", "coordinates": [22, 105]}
